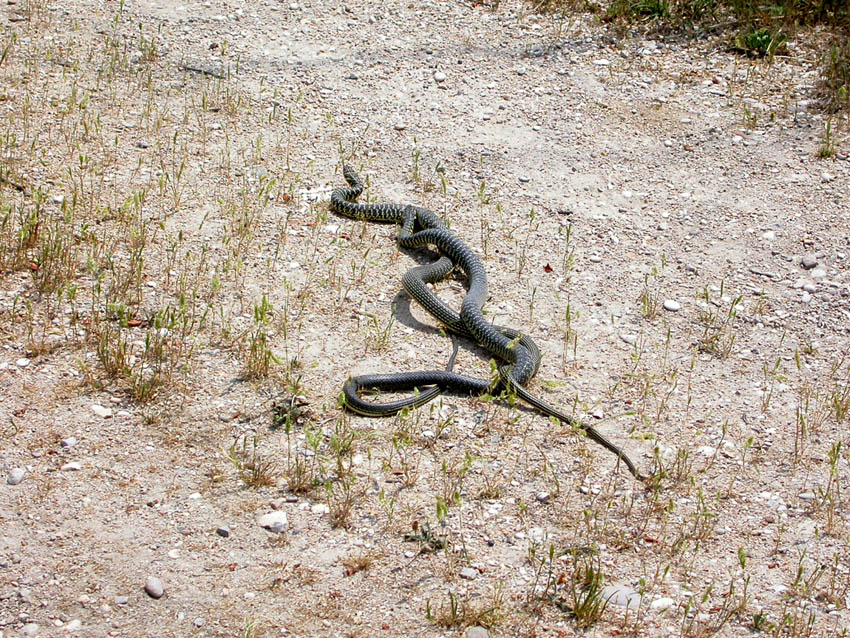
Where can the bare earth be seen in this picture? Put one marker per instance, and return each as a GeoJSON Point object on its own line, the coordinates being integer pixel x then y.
{"type": "Point", "coordinates": [656, 215]}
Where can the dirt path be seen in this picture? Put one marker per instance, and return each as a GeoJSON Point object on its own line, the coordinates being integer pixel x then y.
{"type": "Point", "coordinates": [655, 216]}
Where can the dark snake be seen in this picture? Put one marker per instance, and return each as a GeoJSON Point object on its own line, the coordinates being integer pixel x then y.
{"type": "Point", "coordinates": [421, 227]}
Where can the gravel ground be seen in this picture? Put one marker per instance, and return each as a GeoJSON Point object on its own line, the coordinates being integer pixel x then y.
{"type": "Point", "coordinates": [654, 213]}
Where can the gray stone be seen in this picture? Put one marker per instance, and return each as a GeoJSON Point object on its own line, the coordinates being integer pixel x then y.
{"type": "Point", "coordinates": [73, 466]}
{"type": "Point", "coordinates": [30, 629]}
{"type": "Point", "coordinates": [274, 521]}
{"type": "Point", "coordinates": [74, 625]}
{"type": "Point", "coordinates": [121, 600]}
{"type": "Point", "coordinates": [71, 441]}
{"type": "Point", "coordinates": [809, 261]}
{"type": "Point", "coordinates": [542, 497]}
{"type": "Point", "coordinates": [16, 476]}
{"type": "Point", "coordinates": [154, 588]}
{"type": "Point", "coordinates": [621, 595]}
{"type": "Point", "coordinates": [469, 573]}
{"type": "Point", "coordinates": [672, 306]}
{"type": "Point", "coordinates": [223, 531]}
{"type": "Point", "coordinates": [439, 76]}
{"type": "Point", "coordinates": [477, 632]}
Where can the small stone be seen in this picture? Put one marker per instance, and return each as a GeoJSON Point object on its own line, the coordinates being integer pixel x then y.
{"type": "Point", "coordinates": [542, 497]}
{"type": "Point", "coordinates": [223, 531]}
{"type": "Point", "coordinates": [274, 521]}
{"type": "Point", "coordinates": [469, 573]}
{"type": "Point", "coordinates": [320, 508]}
{"type": "Point", "coordinates": [439, 76]}
{"type": "Point", "coordinates": [809, 287]}
{"type": "Point", "coordinates": [174, 553]}
{"type": "Point", "coordinates": [818, 273]}
{"type": "Point", "coordinates": [662, 603]}
{"type": "Point", "coordinates": [399, 126]}
{"type": "Point", "coordinates": [71, 441]}
{"type": "Point", "coordinates": [809, 261]}
{"type": "Point", "coordinates": [524, 179]}
{"type": "Point", "coordinates": [595, 259]}
{"type": "Point", "coordinates": [769, 235]}
{"type": "Point", "coordinates": [23, 362]}
{"type": "Point", "coordinates": [16, 476]}
{"type": "Point", "coordinates": [121, 600]}
{"type": "Point", "coordinates": [672, 306]}
{"type": "Point", "coordinates": [142, 144]}
{"type": "Point", "coordinates": [30, 629]}
{"type": "Point", "coordinates": [73, 466]}
{"type": "Point", "coordinates": [621, 596]}
{"type": "Point", "coordinates": [198, 622]}
{"type": "Point", "coordinates": [74, 625]}
{"type": "Point", "coordinates": [154, 588]}
{"type": "Point", "coordinates": [806, 496]}
{"type": "Point", "coordinates": [477, 632]}
{"type": "Point", "coordinates": [629, 338]}
{"type": "Point", "coordinates": [99, 410]}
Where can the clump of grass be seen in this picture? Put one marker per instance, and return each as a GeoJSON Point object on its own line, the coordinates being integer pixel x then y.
{"type": "Point", "coordinates": [253, 469]}
{"type": "Point", "coordinates": [835, 76]}
{"type": "Point", "coordinates": [458, 612]}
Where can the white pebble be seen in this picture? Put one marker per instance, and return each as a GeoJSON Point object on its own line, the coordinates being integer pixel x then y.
{"type": "Point", "coordinates": [662, 603]}
{"type": "Point", "coordinates": [154, 588]}
{"type": "Point", "coordinates": [99, 410]}
{"type": "Point", "coordinates": [16, 476]}
{"type": "Point", "coordinates": [73, 466]}
{"type": "Point", "coordinates": [274, 521]}
{"type": "Point", "coordinates": [672, 306]}
{"type": "Point", "coordinates": [439, 76]}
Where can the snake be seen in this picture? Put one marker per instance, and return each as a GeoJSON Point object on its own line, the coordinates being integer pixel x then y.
{"type": "Point", "coordinates": [517, 352]}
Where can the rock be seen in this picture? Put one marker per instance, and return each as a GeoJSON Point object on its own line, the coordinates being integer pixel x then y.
{"type": "Point", "coordinates": [16, 476]}
{"type": "Point", "coordinates": [274, 521]}
{"type": "Point", "coordinates": [223, 531]}
{"type": "Point", "coordinates": [542, 497]}
{"type": "Point", "coordinates": [30, 629]}
{"type": "Point", "coordinates": [672, 306]}
{"type": "Point", "coordinates": [621, 596]}
{"type": "Point", "coordinates": [629, 338]}
{"type": "Point", "coordinates": [819, 273]}
{"type": "Point", "coordinates": [71, 441]}
{"type": "Point", "coordinates": [23, 362]}
{"type": "Point", "coordinates": [154, 588]}
{"type": "Point", "coordinates": [477, 632]}
{"type": "Point", "coordinates": [469, 573]}
{"type": "Point", "coordinates": [121, 600]}
{"type": "Point", "coordinates": [809, 261]}
{"type": "Point", "coordinates": [439, 76]}
{"type": "Point", "coordinates": [769, 235]}
{"type": "Point", "coordinates": [320, 508]}
{"type": "Point", "coordinates": [806, 496]}
{"type": "Point", "coordinates": [595, 259]}
{"type": "Point", "coordinates": [74, 625]}
{"type": "Point", "coordinates": [662, 603]}
{"type": "Point", "coordinates": [73, 466]}
{"type": "Point", "coordinates": [99, 410]}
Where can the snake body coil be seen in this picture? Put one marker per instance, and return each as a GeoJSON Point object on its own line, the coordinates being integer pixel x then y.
{"type": "Point", "coordinates": [421, 227]}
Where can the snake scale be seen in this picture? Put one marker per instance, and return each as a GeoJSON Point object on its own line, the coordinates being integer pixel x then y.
{"type": "Point", "coordinates": [519, 354]}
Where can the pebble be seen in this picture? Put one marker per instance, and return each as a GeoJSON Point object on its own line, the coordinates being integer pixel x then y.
{"type": "Point", "coordinates": [73, 466]}
{"type": "Point", "coordinates": [16, 476]}
{"type": "Point", "coordinates": [818, 273]}
{"type": "Point", "coordinates": [629, 338]}
{"type": "Point", "coordinates": [439, 76]}
{"type": "Point", "coordinates": [524, 179]}
{"type": "Point", "coordinates": [71, 441]}
{"type": "Point", "coordinates": [662, 603]}
{"type": "Point", "coordinates": [99, 410]}
{"type": "Point", "coordinates": [198, 622]}
{"type": "Point", "coordinates": [809, 261]}
{"type": "Point", "coordinates": [122, 600]}
{"type": "Point", "coordinates": [806, 496]}
{"type": "Point", "coordinates": [23, 362]}
{"type": "Point", "coordinates": [595, 259]}
{"type": "Point", "coordinates": [154, 588]}
{"type": "Point", "coordinates": [74, 625]}
{"type": "Point", "coordinates": [274, 521]}
{"type": "Point", "coordinates": [30, 629]}
{"type": "Point", "coordinates": [672, 306]}
{"type": "Point", "coordinates": [769, 235]}
{"type": "Point", "coordinates": [621, 596]}
{"type": "Point", "coordinates": [320, 508]}
{"type": "Point", "coordinates": [477, 632]}
{"type": "Point", "coordinates": [469, 573]}
{"type": "Point", "coordinates": [399, 126]}
{"type": "Point", "coordinates": [223, 531]}
{"type": "Point", "coordinates": [542, 497]}
{"type": "Point", "coordinates": [809, 287]}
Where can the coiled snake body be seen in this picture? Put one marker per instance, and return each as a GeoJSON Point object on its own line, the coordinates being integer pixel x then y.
{"type": "Point", "coordinates": [421, 227]}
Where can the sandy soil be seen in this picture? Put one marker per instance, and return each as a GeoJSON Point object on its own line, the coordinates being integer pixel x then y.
{"type": "Point", "coordinates": [655, 214]}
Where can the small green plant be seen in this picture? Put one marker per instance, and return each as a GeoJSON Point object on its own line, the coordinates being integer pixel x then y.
{"type": "Point", "coordinates": [827, 146]}
{"type": "Point", "coordinates": [759, 42]}
{"type": "Point", "coordinates": [261, 358]}
{"type": "Point", "coordinates": [253, 469]}
{"type": "Point", "coordinates": [458, 612]}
